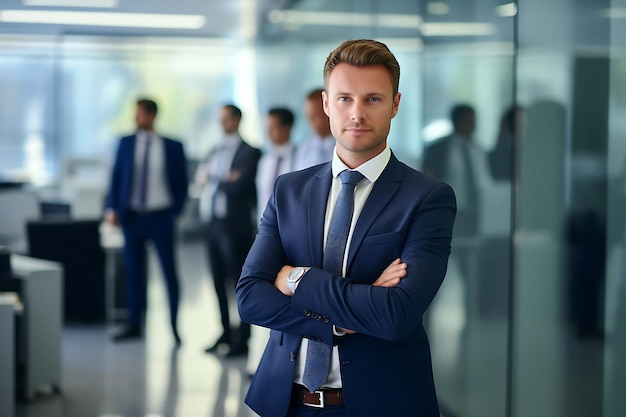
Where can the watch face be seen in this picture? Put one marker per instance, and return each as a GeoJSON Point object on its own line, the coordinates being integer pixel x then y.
{"type": "Point", "coordinates": [295, 274]}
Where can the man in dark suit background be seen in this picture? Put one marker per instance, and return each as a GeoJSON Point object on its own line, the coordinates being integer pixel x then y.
{"type": "Point", "coordinates": [348, 257]}
{"type": "Point", "coordinates": [227, 207]}
{"type": "Point", "coordinates": [147, 193]}
{"type": "Point", "coordinates": [458, 161]}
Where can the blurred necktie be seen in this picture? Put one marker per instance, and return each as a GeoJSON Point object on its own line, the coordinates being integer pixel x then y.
{"type": "Point", "coordinates": [318, 353]}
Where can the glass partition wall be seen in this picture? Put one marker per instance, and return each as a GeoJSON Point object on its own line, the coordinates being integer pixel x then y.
{"type": "Point", "coordinates": [469, 65]}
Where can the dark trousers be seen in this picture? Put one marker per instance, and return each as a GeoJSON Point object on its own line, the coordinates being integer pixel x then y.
{"type": "Point", "coordinates": [139, 228]}
{"type": "Point", "coordinates": [227, 248]}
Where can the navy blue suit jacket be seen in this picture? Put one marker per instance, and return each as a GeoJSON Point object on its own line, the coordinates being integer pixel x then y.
{"type": "Point", "coordinates": [385, 367]}
{"type": "Point", "coordinates": [121, 186]}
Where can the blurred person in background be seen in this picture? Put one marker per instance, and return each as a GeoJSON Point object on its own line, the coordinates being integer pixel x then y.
{"type": "Point", "coordinates": [278, 160]}
{"type": "Point", "coordinates": [227, 207]}
{"type": "Point", "coordinates": [457, 160]}
{"type": "Point", "coordinates": [500, 158]}
{"type": "Point", "coordinates": [319, 148]}
{"type": "Point", "coordinates": [147, 193]}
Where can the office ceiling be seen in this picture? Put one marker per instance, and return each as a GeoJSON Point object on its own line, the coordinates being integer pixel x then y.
{"type": "Point", "coordinates": [220, 18]}
{"type": "Point", "coordinates": [251, 18]}
{"type": "Point", "coordinates": [311, 20]}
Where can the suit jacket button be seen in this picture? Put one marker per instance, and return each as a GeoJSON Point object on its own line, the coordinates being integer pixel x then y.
{"type": "Point", "coordinates": [292, 356]}
{"type": "Point", "coordinates": [326, 319]}
{"type": "Point", "coordinates": [307, 312]}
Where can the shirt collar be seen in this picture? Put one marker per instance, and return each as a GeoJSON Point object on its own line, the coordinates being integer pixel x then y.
{"type": "Point", "coordinates": [143, 135]}
{"type": "Point", "coordinates": [231, 140]}
{"type": "Point", "coordinates": [281, 150]}
{"type": "Point", "coordinates": [371, 169]}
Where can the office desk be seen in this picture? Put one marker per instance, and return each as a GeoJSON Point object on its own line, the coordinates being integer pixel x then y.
{"type": "Point", "coordinates": [8, 310]}
{"type": "Point", "coordinates": [43, 300]}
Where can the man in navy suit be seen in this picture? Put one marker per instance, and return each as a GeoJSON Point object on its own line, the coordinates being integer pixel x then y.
{"type": "Point", "coordinates": [365, 320]}
{"type": "Point", "coordinates": [148, 190]}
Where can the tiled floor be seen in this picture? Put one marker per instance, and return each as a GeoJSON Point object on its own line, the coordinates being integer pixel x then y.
{"type": "Point", "coordinates": [151, 378]}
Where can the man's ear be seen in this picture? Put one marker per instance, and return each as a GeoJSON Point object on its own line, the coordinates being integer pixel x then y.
{"type": "Point", "coordinates": [325, 102]}
{"type": "Point", "coordinates": [396, 105]}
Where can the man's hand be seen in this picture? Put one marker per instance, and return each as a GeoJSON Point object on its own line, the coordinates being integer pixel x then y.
{"type": "Point", "coordinates": [390, 277]}
{"type": "Point", "coordinates": [111, 218]}
{"type": "Point", "coordinates": [201, 176]}
{"type": "Point", "coordinates": [281, 280]}
{"type": "Point", "coordinates": [234, 175]}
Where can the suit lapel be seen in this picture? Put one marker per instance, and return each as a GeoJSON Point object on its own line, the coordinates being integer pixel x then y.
{"type": "Point", "coordinates": [130, 162]}
{"type": "Point", "coordinates": [235, 162]}
{"type": "Point", "coordinates": [316, 212]}
{"type": "Point", "coordinates": [383, 191]}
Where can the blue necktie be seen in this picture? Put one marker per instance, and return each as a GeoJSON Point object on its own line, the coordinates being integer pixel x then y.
{"type": "Point", "coordinates": [318, 354]}
{"type": "Point", "coordinates": [143, 175]}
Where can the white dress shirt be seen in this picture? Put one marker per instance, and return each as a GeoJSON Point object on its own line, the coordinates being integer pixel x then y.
{"type": "Point", "coordinates": [314, 151]}
{"type": "Point", "coordinates": [211, 172]}
{"type": "Point", "coordinates": [157, 192]}
{"type": "Point", "coordinates": [371, 169]}
{"type": "Point", "coordinates": [266, 171]}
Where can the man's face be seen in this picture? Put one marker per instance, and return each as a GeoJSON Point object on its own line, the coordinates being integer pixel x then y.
{"type": "Point", "coordinates": [143, 119]}
{"type": "Point", "coordinates": [360, 104]}
{"type": "Point", "coordinates": [230, 123]}
{"type": "Point", "coordinates": [318, 120]}
{"type": "Point", "coordinates": [277, 132]}
{"type": "Point", "coordinates": [467, 124]}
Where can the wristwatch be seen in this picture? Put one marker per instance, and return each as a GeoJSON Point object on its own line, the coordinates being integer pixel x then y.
{"type": "Point", "coordinates": [295, 276]}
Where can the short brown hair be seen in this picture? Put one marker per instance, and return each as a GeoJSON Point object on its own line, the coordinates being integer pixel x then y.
{"type": "Point", "coordinates": [234, 110]}
{"type": "Point", "coordinates": [285, 116]}
{"type": "Point", "coordinates": [315, 94]}
{"type": "Point", "coordinates": [148, 105]}
{"type": "Point", "coordinates": [364, 53]}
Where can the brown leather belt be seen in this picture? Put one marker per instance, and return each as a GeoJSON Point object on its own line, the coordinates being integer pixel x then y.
{"type": "Point", "coordinates": [318, 399]}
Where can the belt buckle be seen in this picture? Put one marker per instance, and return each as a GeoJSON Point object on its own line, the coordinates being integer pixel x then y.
{"type": "Point", "coordinates": [320, 395]}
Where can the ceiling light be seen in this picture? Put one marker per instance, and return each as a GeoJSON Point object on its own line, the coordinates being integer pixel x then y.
{"type": "Point", "coordinates": [139, 20]}
{"type": "Point", "coordinates": [507, 10]}
{"type": "Point", "coordinates": [276, 16]}
{"type": "Point", "coordinates": [457, 29]}
{"type": "Point", "coordinates": [614, 13]}
{"type": "Point", "coordinates": [297, 17]}
{"type": "Point", "coordinates": [109, 4]}
{"type": "Point", "coordinates": [437, 8]}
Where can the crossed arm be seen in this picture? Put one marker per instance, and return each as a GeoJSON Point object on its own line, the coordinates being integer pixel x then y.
{"type": "Point", "coordinates": [390, 277]}
{"type": "Point", "coordinates": [389, 308]}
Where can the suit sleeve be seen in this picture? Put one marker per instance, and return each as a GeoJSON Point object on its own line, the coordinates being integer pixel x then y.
{"type": "Point", "coordinates": [259, 302]}
{"type": "Point", "coordinates": [389, 313]}
{"type": "Point", "coordinates": [180, 182]}
{"type": "Point", "coordinates": [247, 174]}
{"type": "Point", "coordinates": [112, 201]}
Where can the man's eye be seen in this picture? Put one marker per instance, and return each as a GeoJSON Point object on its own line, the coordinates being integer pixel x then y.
{"type": "Point", "coordinates": [343, 99]}
{"type": "Point", "coordinates": [373, 99]}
